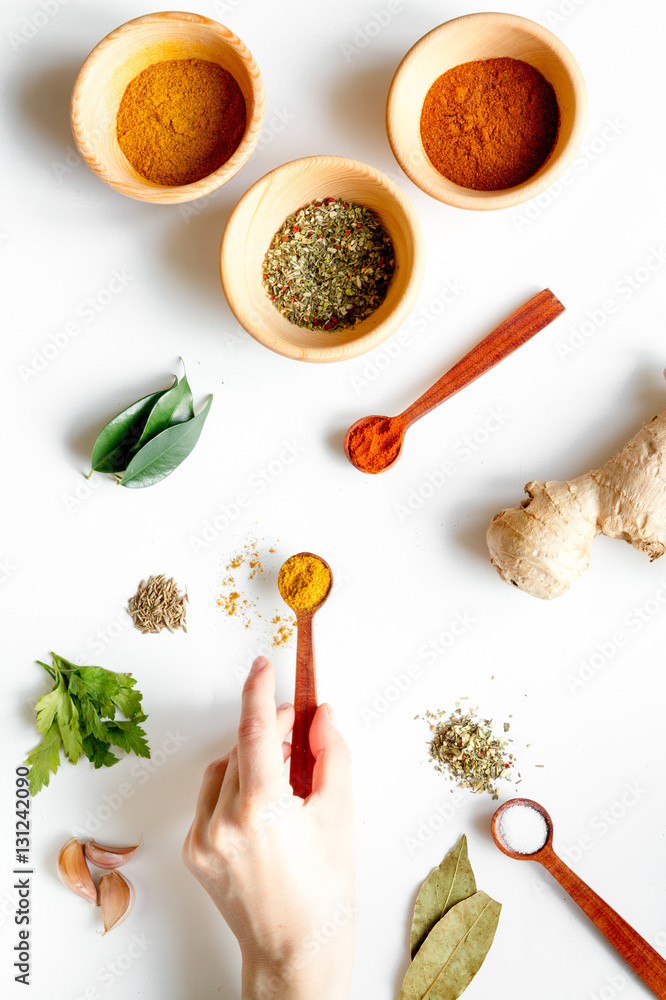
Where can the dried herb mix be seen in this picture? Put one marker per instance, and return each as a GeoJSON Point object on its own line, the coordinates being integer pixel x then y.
{"type": "Point", "coordinates": [329, 265]}
{"type": "Point", "coordinates": [465, 748]}
{"type": "Point", "coordinates": [157, 605]}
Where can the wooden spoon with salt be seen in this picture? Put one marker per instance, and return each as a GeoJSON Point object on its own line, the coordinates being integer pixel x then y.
{"type": "Point", "coordinates": [641, 956]}
{"type": "Point", "coordinates": [312, 574]}
{"type": "Point", "coordinates": [373, 444]}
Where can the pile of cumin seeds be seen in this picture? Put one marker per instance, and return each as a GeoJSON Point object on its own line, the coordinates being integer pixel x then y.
{"type": "Point", "coordinates": [157, 604]}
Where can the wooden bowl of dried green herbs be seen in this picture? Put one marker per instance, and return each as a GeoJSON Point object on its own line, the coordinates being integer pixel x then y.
{"type": "Point", "coordinates": [168, 107]}
{"type": "Point", "coordinates": [322, 259]}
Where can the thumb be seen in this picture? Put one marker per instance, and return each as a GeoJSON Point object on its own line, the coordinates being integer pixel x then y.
{"type": "Point", "coordinates": [331, 777]}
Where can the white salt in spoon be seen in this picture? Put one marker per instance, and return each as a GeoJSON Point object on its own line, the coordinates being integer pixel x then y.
{"type": "Point", "coordinates": [523, 830]}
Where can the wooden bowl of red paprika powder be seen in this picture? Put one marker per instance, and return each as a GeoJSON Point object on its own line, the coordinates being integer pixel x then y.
{"type": "Point", "coordinates": [452, 110]}
{"type": "Point", "coordinates": [168, 107]}
{"type": "Point", "coordinates": [261, 212]}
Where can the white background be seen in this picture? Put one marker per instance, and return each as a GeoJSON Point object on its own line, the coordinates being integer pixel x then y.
{"type": "Point", "coordinates": [72, 553]}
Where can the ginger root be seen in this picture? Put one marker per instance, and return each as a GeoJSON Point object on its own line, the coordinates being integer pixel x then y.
{"type": "Point", "coordinates": [543, 545]}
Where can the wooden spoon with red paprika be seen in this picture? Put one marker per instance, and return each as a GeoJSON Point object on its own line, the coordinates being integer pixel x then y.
{"type": "Point", "coordinates": [373, 444]}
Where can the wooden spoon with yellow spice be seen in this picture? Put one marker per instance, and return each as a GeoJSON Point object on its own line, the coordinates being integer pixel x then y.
{"type": "Point", "coordinates": [304, 582]}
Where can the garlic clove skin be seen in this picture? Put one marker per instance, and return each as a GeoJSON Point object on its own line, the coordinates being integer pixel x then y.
{"type": "Point", "coordinates": [110, 857]}
{"type": "Point", "coordinates": [74, 872]}
{"type": "Point", "coordinates": [116, 898]}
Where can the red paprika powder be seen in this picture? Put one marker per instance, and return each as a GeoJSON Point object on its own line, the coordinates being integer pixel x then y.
{"type": "Point", "coordinates": [489, 124]}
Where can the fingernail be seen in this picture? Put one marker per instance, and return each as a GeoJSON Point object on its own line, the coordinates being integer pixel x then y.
{"type": "Point", "coordinates": [284, 705]}
{"type": "Point", "coordinates": [259, 664]}
{"type": "Point", "coordinates": [332, 714]}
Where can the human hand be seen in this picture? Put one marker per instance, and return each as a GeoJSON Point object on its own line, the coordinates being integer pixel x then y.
{"type": "Point", "coordinates": [280, 869]}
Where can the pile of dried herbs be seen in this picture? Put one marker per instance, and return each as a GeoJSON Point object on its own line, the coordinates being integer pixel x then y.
{"type": "Point", "coordinates": [157, 605]}
{"type": "Point", "coordinates": [329, 265]}
{"type": "Point", "coordinates": [452, 930]}
{"type": "Point", "coordinates": [465, 748]}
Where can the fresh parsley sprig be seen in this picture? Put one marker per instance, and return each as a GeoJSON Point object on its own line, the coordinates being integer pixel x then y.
{"type": "Point", "coordinates": [79, 716]}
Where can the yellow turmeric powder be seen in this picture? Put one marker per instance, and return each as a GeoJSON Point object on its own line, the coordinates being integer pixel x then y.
{"type": "Point", "coordinates": [304, 581]}
{"type": "Point", "coordinates": [180, 119]}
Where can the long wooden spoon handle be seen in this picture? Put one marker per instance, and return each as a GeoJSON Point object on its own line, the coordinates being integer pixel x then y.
{"type": "Point", "coordinates": [305, 705]}
{"type": "Point", "coordinates": [642, 957]}
{"type": "Point", "coordinates": [504, 340]}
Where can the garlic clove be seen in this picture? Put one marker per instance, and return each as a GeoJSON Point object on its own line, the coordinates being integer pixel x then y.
{"type": "Point", "coordinates": [74, 872]}
{"type": "Point", "coordinates": [110, 857]}
{"type": "Point", "coordinates": [116, 897]}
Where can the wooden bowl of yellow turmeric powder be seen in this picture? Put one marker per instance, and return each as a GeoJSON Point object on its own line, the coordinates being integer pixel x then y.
{"type": "Point", "coordinates": [486, 111]}
{"type": "Point", "coordinates": [168, 107]}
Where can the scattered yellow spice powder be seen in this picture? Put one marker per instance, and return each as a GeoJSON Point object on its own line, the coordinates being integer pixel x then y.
{"type": "Point", "coordinates": [237, 604]}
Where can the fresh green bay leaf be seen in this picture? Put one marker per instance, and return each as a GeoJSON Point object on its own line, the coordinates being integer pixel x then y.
{"type": "Point", "coordinates": [453, 951]}
{"type": "Point", "coordinates": [164, 453]}
{"type": "Point", "coordinates": [115, 440]}
{"type": "Point", "coordinates": [446, 885]}
{"type": "Point", "coordinates": [174, 407]}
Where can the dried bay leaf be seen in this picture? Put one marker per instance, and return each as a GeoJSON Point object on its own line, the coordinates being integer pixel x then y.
{"type": "Point", "coordinates": [446, 885]}
{"type": "Point", "coordinates": [453, 951]}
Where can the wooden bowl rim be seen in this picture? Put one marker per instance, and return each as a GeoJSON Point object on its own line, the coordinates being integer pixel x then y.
{"type": "Point", "coordinates": [467, 198]}
{"type": "Point", "coordinates": [365, 342]}
{"type": "Point", "coordinates": [177, 193]}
